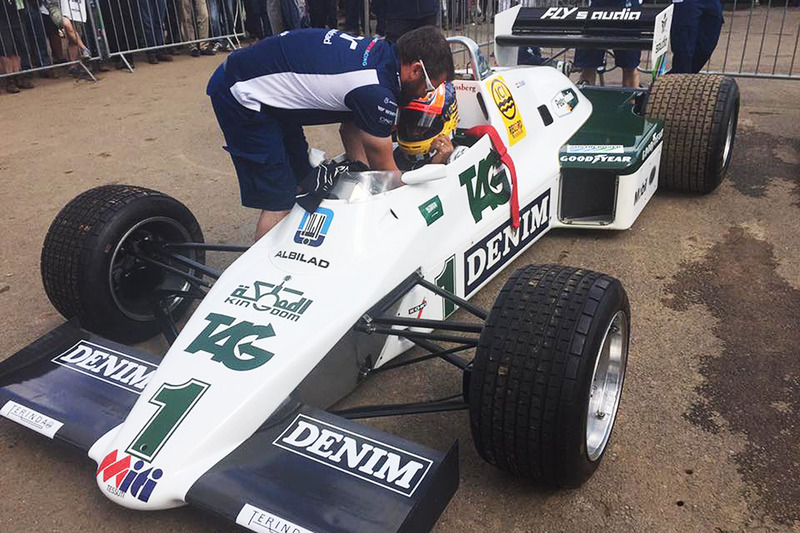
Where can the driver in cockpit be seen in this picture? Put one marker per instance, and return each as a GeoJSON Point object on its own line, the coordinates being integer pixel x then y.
{"type": "Point", "coordinates": [425, 127]}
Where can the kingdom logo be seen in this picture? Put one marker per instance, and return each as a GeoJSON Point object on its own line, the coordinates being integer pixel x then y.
{"type": "Point", "coordinates": [278, 300]}
{"type": "Point", "coordinates": [105, 364]}
{"type": "Point", "coordinates": [226, 345]}
{"type": "Point", "coordinates": [489, 254]}
{"type": "Point", "coordinates": [389, 467]}
{"type": "Point", "coordinates": [136, 481]}
{"type": "Point", "coordinates": [485, 191]}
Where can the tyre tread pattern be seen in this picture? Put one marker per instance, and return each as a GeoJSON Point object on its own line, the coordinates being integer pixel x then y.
{"type": "Point", "coordinates": [526, 367]}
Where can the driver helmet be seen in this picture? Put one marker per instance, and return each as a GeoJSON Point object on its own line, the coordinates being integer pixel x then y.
{"type": "Point", "coordinates": [424, 119]}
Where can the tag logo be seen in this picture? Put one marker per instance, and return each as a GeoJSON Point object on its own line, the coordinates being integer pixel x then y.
{"type": "Point", "coordinates": [227, 346]}
{"type": "Point", "coordinates": [105, 364]}
{"type": "Point", "coordinates": [277, 300]}
{"type": "Point", "coordinates": [485, 191]}
{"type": "Point", "coordinates": [314, 227]}
{"type": "Point", "coordinates": [137, 481]}
{"type": "Point", "coordinates": [375, 462]}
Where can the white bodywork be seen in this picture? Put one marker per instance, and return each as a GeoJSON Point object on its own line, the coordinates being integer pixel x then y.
{"type": "Point", "coordinates": [368, 248]}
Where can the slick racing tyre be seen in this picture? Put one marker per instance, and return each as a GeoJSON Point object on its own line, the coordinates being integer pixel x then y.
{"type": "Point", "coordinates": [700, 114]}
{"type": "Point", "coordinates": [92, 260]}
{"type": "Point", "coordinates": [548, 372]}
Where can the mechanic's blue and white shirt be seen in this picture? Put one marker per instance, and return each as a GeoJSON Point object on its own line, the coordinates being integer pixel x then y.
{"type": "Point", "coordinates": [319, 76]}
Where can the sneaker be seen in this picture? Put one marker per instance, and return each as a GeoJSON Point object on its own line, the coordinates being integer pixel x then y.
{"type": "Point", "coordinates": [152, 59]}
{"type": "Point", "coordinates": [50, 73]}
{"type": "Point", "coordinates": [11, 85]}
{"type": "Point", "coordinates": [25, 82]}
{"type": "Point", "coordinates": [165, 57]}
{"type": "Point", "coordinates": [86, 53]}
{"type": "Point", "coordinates": [194, 52]}
{"type": "Point", "coordinates": [207, 52]}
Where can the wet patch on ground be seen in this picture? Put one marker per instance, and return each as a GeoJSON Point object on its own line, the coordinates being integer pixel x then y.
{"type": "Point", "coordinates": [755, 382]}
{"type": "Point", "coordinates": [759, 157]}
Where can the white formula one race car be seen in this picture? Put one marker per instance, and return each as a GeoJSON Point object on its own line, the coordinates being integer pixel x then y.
{"type": "Point", "coordinates": [236, 417]}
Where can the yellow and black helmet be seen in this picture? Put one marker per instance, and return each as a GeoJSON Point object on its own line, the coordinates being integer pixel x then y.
{"type": "Point", "coordinates": [424, 119]}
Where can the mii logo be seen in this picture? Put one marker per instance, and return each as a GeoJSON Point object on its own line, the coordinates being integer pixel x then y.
{"type": "Point", "coordinates": [137, 481]}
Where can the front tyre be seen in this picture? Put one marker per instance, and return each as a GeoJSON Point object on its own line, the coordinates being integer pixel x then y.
{"type": "Point", "coordinates": [93, 265]}
{"type": "Point", "coordinates": [548, 373]}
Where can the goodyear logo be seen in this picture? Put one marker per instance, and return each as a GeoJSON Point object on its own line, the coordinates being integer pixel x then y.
{"type": "Point", "coordinates": [505, 103]}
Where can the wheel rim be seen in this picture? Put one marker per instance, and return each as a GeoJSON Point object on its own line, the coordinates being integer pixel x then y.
{"type": "Point", "coordinates": [606, 387]}
{"type": "Point", "coordinates": [727, 148]}
{"type": "Point", "coordinates": [131, 280]}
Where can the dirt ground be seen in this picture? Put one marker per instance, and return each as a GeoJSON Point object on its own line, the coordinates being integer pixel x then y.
{"type": "Point", "coordinates": [707, 434]}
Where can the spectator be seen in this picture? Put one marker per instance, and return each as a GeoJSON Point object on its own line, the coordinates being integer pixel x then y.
{"type": "Point", "coordinates": [120, 18]}
{"type": "Point", "coordinates": [195, 26]}
{"type": "Point", "coordinates": [76, 47]}
{"type": "Point", "coordinates": [285, 15]}
{"type": "Point", "coordinates": [696, 25]}
{"type": "Point", "coordinates": [11, 42]}
{"type": "Point", "coordinates": [153, 15]}
{"type": "Point", "coordinates": [37, 55]}
{"type": "Point", "coordinates": [257, 22]}
{"type": "Point", "coordinates": [220, 16]}
{"type": "Point", "coordinates": [323, 14]}
{"type": "Point", "coordinates": [354, 16]}
{"type": "Point", "coordinates": [628, 60]}
{"type": "Point", "coordinates": [402, 17]}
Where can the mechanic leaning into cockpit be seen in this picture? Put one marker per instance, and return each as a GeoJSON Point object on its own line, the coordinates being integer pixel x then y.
{"type": "Point", "coordinates": [264, 94]}
{"type": "Point", "coordinates": [425, 127]}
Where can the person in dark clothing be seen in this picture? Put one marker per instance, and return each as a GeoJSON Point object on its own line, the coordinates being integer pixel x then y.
{"type": "Point", "coordinates": [323, 14]}
{"type": "Point", "coordinates": [256, 21]}
{"type": "Point", "coordinates": [402, 17]}
{"type": "Point", "coordinates": [354, 16]}
{"type": "Point", "coordinates": [696, 26]}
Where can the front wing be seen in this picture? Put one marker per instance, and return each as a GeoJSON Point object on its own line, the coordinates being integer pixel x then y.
{"type": "Point", "coordinates": [304, 470]}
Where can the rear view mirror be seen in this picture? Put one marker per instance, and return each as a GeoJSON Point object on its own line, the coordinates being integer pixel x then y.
{"type": "Point", "coordinates": [424, 174]}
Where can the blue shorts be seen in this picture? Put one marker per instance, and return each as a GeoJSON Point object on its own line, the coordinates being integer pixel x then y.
{"type": "Point", "coordinates": [593, 58]}
{"type": "Point", "coordinates": [270, 155]}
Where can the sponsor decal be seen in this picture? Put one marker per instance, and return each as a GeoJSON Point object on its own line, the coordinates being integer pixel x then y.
{"type": "Point", "coordinates": [657, 136]}
{"type": "Point", "coordinates": [661, 37]}
{"type": "Point", "coordinates": [353, 454]}
{"type": "Point", "coordinates": [447, 280]}
{"type": "Point", "coordinates": [488, 255]}
{"type": "Point", "coordinates": [418, 309]}
{"type": "Point", "coordinates": [432, 210]}
{"type": "Point", "coordinates": [520, 83]}
{"type": "Point", "coordinates": [301, 258]}
{"type": "Point", "coordinates": [594, 159]}
{"type": "Point", "coordinates": [227, 346]}
{"type": "Point", "coordinates": [484, 190]}
{"type": "Point", "coordinates": [460, 86]}
{"type": "Point", "coordinates": [104, 364]}
{"type": "Point", "coordinates": [277, 300]}
{"type": "Point", "coordinates": [564, 102]}
{"type": "Point", "coordinates": [641, 190]}
{"type": "Point", "coordinates": [31, 419]}
{"type": "Point", "coordinates": [123, 476]}
{"type": "Point", "coordinates": [562, 13]}
{"type": "Point", "coordinates": [508, 109]}
{"type": "Point", "coordinates": [329, 36]}
{"type": "Point", "coordinates": [368, 51]}
{"type": "Point", "coordinates": [595, 148]}
{"type": "Point", "coordinates": [256, 519]}
{"type": "Point", "coordinates": [314, 227]}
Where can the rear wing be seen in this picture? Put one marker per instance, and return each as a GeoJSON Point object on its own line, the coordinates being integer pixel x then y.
{"type": "Point", "coordinates": [647, 28]}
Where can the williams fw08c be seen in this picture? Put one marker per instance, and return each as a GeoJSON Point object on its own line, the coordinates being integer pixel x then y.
{"type": "Point", "coordinates": [238, 418]}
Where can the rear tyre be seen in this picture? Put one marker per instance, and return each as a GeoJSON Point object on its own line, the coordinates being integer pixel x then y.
{"type": "Point", "coordinates": [548, 372]}
{"type": "Point", "coordinates": [700, 114]}
{"type": "Point", "coordinates": [89, 265]}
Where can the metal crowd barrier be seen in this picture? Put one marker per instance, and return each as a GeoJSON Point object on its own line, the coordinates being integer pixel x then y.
{"type": "Point", "coordinates": [760, 38]}
{"type": "Point", "coordinates": [40, 35]}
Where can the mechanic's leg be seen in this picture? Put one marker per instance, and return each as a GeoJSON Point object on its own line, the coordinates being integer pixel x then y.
{"type": "Point", "coordinates": [630, 77]}
{"type": "Point", "coordinates": [588, 76]}
{"type": "Point", "coordinates": [683, 36]}
{"type": "Point", "coordinates": [353, 147]}
{"type": "Point", "coordinates": [588, 61]}
{"type": "Point", "coordinates": [267, 221]}
{"type": "Point", "coordinates": [628, 61]}
{"type": "Point", "coordinates": [709, 29]}
{"type": "Point", "coordinates": [296, 149]}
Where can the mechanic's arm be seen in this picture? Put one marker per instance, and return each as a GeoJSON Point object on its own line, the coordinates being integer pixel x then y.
{"type": "Point", "coordinates": [376, 152]}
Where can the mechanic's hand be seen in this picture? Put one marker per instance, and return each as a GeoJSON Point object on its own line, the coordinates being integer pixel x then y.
{"type": "Point", "coordinates": [443, 147]}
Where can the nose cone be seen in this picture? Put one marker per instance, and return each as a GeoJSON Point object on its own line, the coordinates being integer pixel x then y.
{"type": "Point", "coordinates": [128, 480]}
